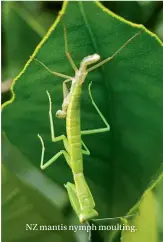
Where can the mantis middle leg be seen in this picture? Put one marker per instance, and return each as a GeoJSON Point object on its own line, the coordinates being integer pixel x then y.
{"type": "Point", "coordinates": [100, 130]}
{"type": "Point", "coordinates": [85, 151]}
{"type": "Point", "coordinates": [54, 158]}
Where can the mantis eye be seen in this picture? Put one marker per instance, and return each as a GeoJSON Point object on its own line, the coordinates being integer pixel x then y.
{"type": "Point", "coordinates": [60, 114]}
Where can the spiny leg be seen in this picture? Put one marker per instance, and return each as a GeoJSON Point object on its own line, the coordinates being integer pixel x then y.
{"type": "Point", "coordinates": [86, 150]}
{"type": "Point", "coordinates": [53, 72]}
{"type": "Point", "coordinates": [84, 213]}
{"type": "Point", "coordinates": [117, 52]}
{"type": "Point", "coordinates": [54, 158]}
{"type": "Point", "coordinates": [100, 130]}
{"type": "Point", "coordinates": [68, 53]}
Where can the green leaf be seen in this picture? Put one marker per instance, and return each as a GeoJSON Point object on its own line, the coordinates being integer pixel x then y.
{"type": "Point", "coordinates": [29, 198]}
{"type": "Point", "coordinates": [128, 91]}
{"type": "Point", "coordinates": [22, 33]}
{"type": "Point", "coordinates": [159, 206]}
{"type": "Point", "coordinates": [130, 10]}
{"type": "Point", "coordinates": [144, 227]}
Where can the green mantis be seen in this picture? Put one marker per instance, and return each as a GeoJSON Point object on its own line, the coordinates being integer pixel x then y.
{"type": "Point", "coordinates": [79, 193]}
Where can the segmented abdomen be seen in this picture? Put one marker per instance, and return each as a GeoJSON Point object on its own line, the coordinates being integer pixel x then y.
{"type": "Point", "coordinates": [73, 131]}
{"type": "Point", "coordinates": [75, 148]}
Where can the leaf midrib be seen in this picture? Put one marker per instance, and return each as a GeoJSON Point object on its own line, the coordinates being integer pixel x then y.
{"type": "Point", "coordinates": [110, 113]}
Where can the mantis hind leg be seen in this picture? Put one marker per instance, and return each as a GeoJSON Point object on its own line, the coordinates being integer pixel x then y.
{"type": "Point", "coordinates": [100, 130]}
{"type": "Point", "coordinates": [67, 51]}
{"type": "Point", "coordinates": [116, 53]}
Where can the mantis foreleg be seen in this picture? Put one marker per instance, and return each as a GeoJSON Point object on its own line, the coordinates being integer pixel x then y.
{"type": "Point", "coordinates": [71, 190]}
{"type": "Point", "coordinates": [100, 130]}
{"type": "Point", "coordinates": [84, 210]}
{"type": "Point", "coordinates": [75, 203]}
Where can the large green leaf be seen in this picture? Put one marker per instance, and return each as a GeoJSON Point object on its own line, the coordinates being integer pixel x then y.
{"type": "Point", "coordinates": [144, 227]}
{"type": "Point", "coordinates": [29, 198]}
{"type": "Point", "coordinates": [128, 91]}
{"type": "Point", "coordinates": [159, 206]}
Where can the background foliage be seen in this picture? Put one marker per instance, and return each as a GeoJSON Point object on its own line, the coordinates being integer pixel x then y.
{"type": "Point", "coordinates": [22, 180]}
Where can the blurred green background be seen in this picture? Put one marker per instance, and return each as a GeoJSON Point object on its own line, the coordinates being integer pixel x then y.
{"type": "Point", "coordinates": [24, 24]}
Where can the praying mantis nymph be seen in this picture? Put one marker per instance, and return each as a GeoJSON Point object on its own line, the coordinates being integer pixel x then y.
{"type": "Point", "coordinates": [79, 193]}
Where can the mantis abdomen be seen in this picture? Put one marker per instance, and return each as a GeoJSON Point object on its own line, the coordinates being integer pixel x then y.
{"type": "Point", "coordinates": [74, 131]}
